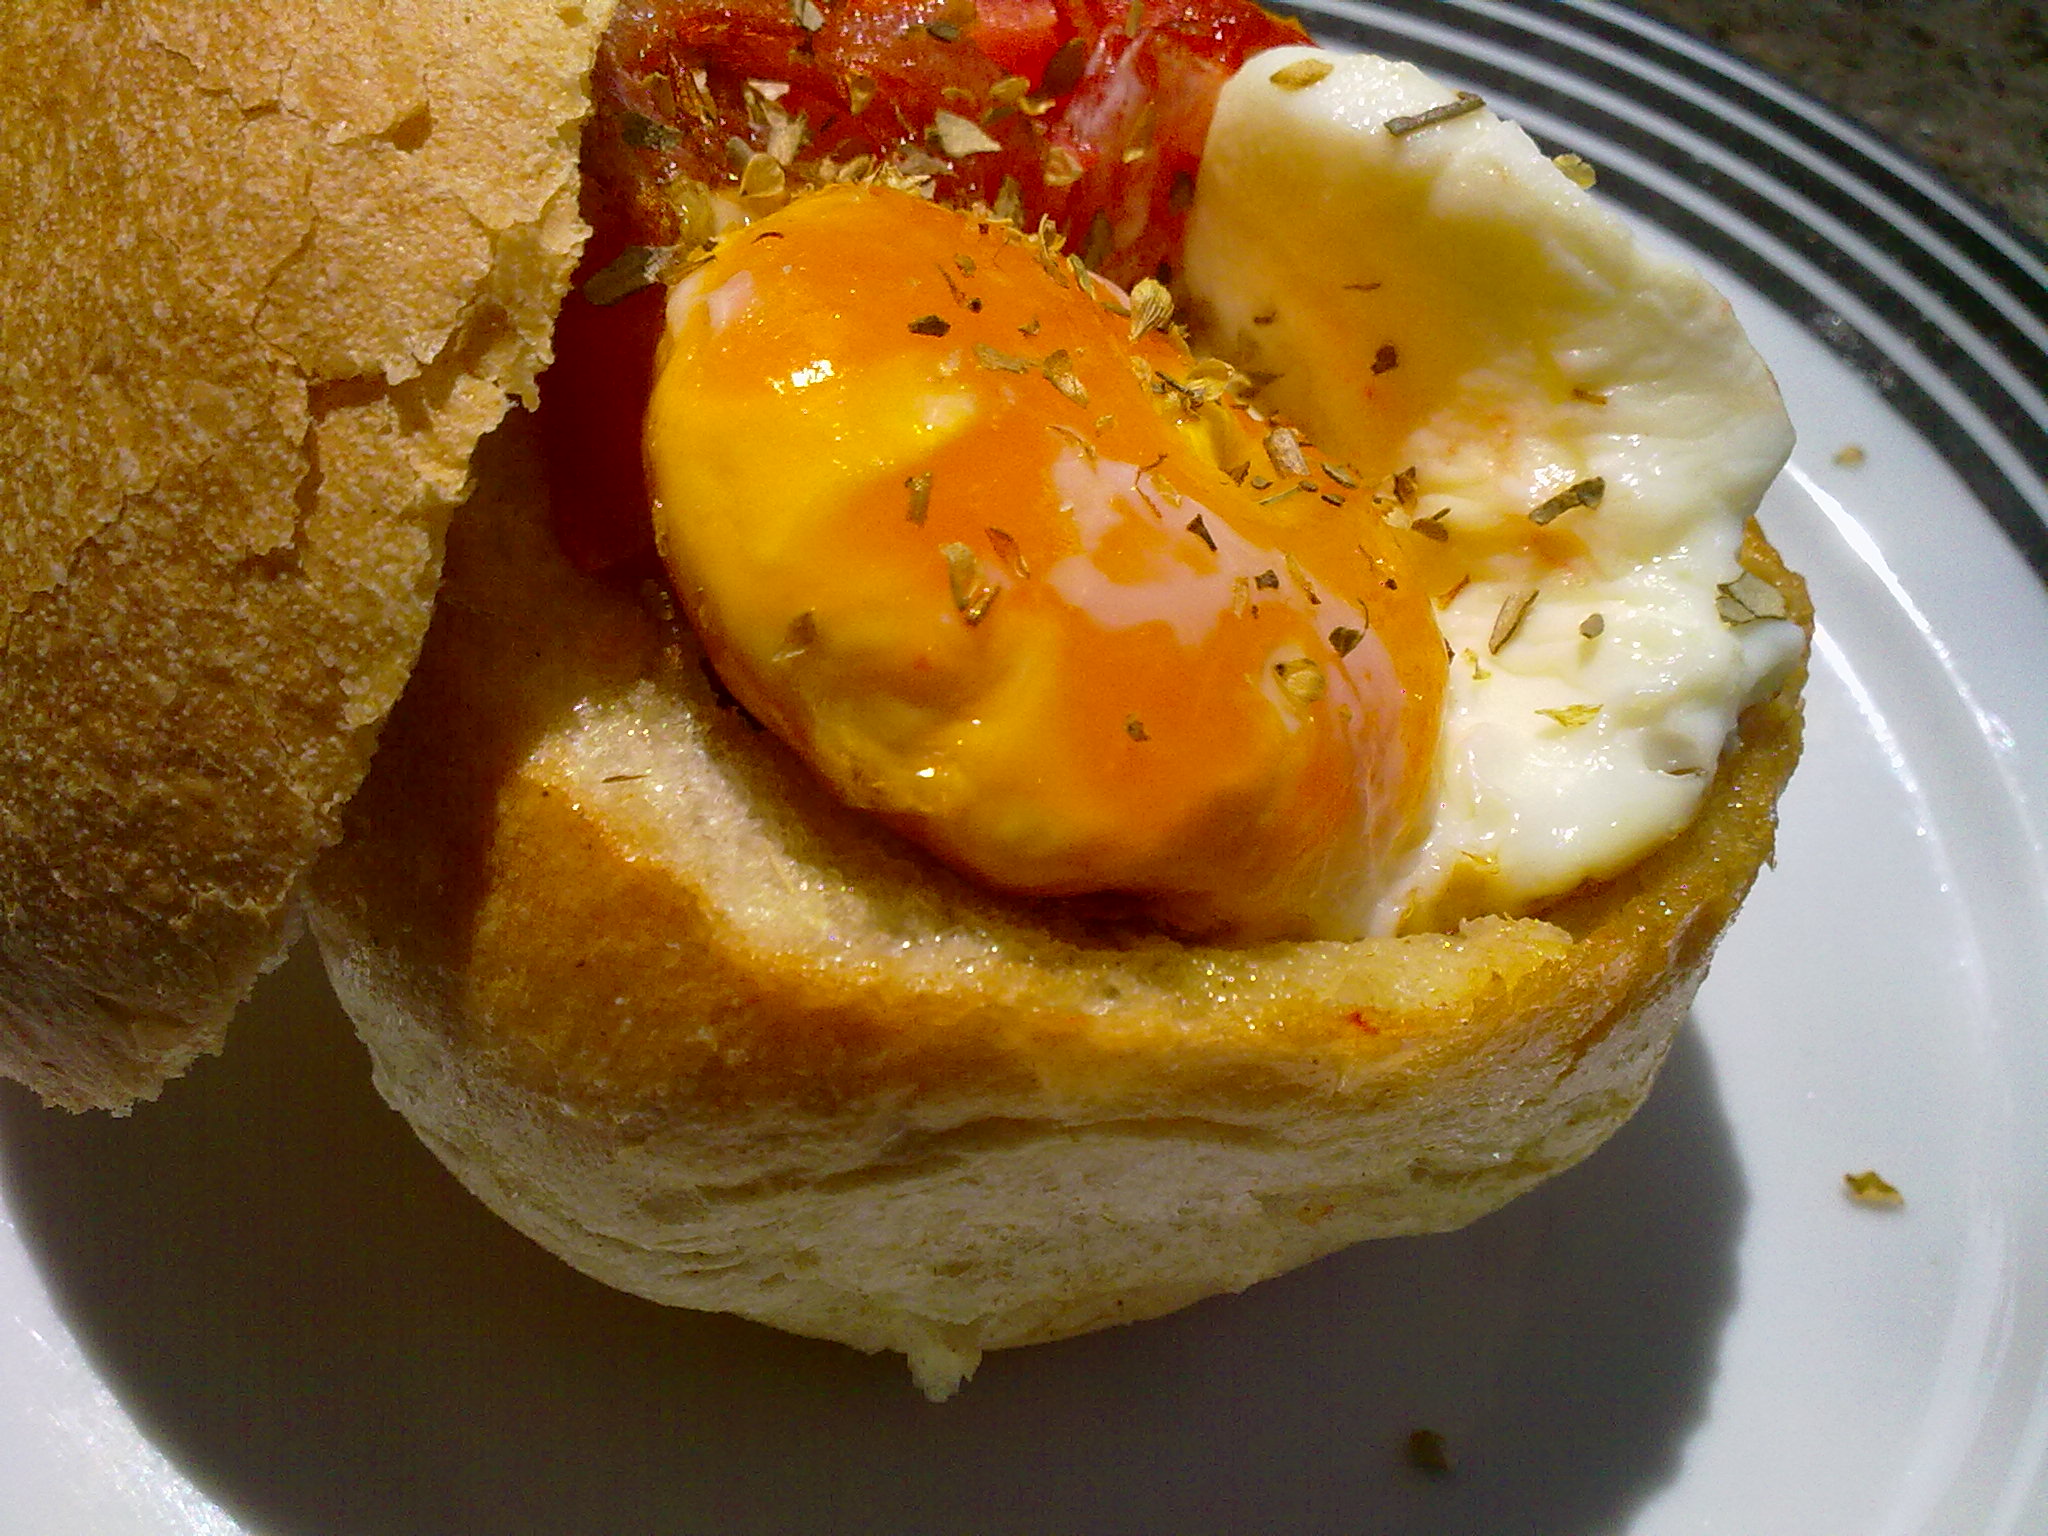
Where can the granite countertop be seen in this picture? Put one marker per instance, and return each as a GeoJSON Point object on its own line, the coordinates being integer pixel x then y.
{"type": "Point", "coordinates": [1961, 84]}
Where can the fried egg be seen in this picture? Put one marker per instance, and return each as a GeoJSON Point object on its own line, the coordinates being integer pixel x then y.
{"type": "Point", "coordinates": [979, 539]}
{"type": "Point", "coordinates": [1575, 422]}
{"type": "Point", "coordinates": [1007, 567]}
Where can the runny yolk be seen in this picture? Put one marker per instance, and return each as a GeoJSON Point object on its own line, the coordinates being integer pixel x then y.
{"type": "Point", "coordinates": [1028, 590]}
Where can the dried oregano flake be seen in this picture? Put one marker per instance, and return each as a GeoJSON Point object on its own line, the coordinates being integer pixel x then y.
{"type": "Point", "coordinates": [1058, 369]}
{"type": "Point", "coordinates": [1301, 679]}
{"type": "Point", "coordinates": [1211, 379]}
{"type": "Point", "coordinates": [1009, 204]}
{"type": "Point", "coordinates": [1007, 551]}
{"type": "Point", "coordinates": [1432, 527]}
{"type": "Point", "coordinates": [1300, 578]}
{"type": "Point", "coordinates": [1301, 74]}
{"type": "Point", "coordinates": [801, 635]}
{"type": "Point", "coordinates": [1062, 167]}
{"type": "Point", "coordinates": [787, 133]}
{"type": "Point", "coordinates": [960, 295]}
{"type": "Point", "coordinates": [1151, 307]}
{"type": "Point", "coordinates": [959, 137]}
{"type": "Point", "coordinates": [1284, 449]}
{"type": "Point", "coordinates": [1578, 171]}
{"type": "Point", "coordinates": [1870, 1188]}
{"type": "Point", "coordinates": [920, 488]}
{"type": "Point", "coordinates": [634, 268]}
{"type": "Point", "coordinates": [1749, 599]}
{"type": "Point", "coordinates": [1513, 609]}
{"type": "Point", "coordinates": [963, 572]}
{"type": "Point", "coordinates": [1586, 493]}
{"type": "Point", "coordinates": [762, 179]}
{"type": "Point", "coordinates": [1002, 362]}
{"type": "Point", "coordinates": [1462, 103]}
{"type": "Point", "coordinates": [1081, 444]}
{"type": "Point", "coordinates": [643, 132]}
{"type": "Point", "coordinates": [1141, 135]}
{"type": "Point", "coordinates": [971, 595]}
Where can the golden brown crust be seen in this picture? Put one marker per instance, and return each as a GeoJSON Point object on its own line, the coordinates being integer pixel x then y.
{"type": "Point", "coordinates": [271, 271]}
{"type": "Point", "coordinates": [715, 1039]}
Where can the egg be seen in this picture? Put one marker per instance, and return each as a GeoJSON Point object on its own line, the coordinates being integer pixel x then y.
{"type": "Point", "coordinates": [973, 533]}
{"type": "Point", "coordinates": [1013, 571]}
{"type": "Point", "coordinates": [1575, 423]}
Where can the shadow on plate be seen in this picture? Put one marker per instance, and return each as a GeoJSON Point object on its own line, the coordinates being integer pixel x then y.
{"type": "Point", "coordinates": [321, 1328]}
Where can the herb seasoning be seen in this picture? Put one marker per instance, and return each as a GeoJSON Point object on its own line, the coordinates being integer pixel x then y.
{"type": "Point", "coordinates": [1513, 609]}
{"type": "Point", "coordinates": [1301, 74]}
{"type": "Point", "coordinates": [1464, 102]}
{"type": "Point", "coordinates": [1586, 493]}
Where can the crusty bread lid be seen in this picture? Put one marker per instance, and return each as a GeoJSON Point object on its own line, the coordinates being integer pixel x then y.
{"type": "Point", "coordinates": [271, 271]}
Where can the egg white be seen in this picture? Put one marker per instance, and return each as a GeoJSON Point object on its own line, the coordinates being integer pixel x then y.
{"type": "Point", "coordinates": [1535, 344]}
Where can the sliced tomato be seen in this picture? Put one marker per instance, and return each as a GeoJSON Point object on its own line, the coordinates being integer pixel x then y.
{"type": "Point", "coordinates": [593, 397]}
{"type": "Point", "coordinates": [1136, 121]}
{"type": "Point", "coordinates": [1019, 36]}
{"type": "Point", "coordinates": [1109, 150]}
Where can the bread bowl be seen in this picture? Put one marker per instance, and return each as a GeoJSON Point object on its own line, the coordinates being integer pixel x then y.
{"type": "Point", "coordinates": [822, 1080]}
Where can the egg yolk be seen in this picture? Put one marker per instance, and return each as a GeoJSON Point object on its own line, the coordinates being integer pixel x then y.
{"type": "Point", "coordinates": [1010, 570]}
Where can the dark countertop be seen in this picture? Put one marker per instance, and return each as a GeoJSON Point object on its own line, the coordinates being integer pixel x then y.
{"type": "Point", "coordinates": [1961, 84]}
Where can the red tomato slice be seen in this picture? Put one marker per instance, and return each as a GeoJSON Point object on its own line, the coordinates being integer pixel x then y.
{"type": "Point", "coordinates": [593, 398]}
{"type": "Point", "coordinates": [1019, 36]}
{"type": "Point", "coordinates": [1112, 158]}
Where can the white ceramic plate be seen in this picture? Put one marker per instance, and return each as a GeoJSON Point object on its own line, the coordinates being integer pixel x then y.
{"type": "Point", "coordinates": [259, 1306]}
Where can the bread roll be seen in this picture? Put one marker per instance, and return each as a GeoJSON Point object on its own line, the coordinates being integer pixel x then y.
{"type": "Point", "coordinates": [647, 989]}
{"type": "Point", "coordinates": [271, 271]}
{"type": "Point", "coordinates": [717, 1040]}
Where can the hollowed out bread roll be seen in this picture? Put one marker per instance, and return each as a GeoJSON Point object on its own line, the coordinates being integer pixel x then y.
{"type": "Point", "coordinates": [270, 272]}
{"type": "Point", "coordinates": [672, 1011]}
